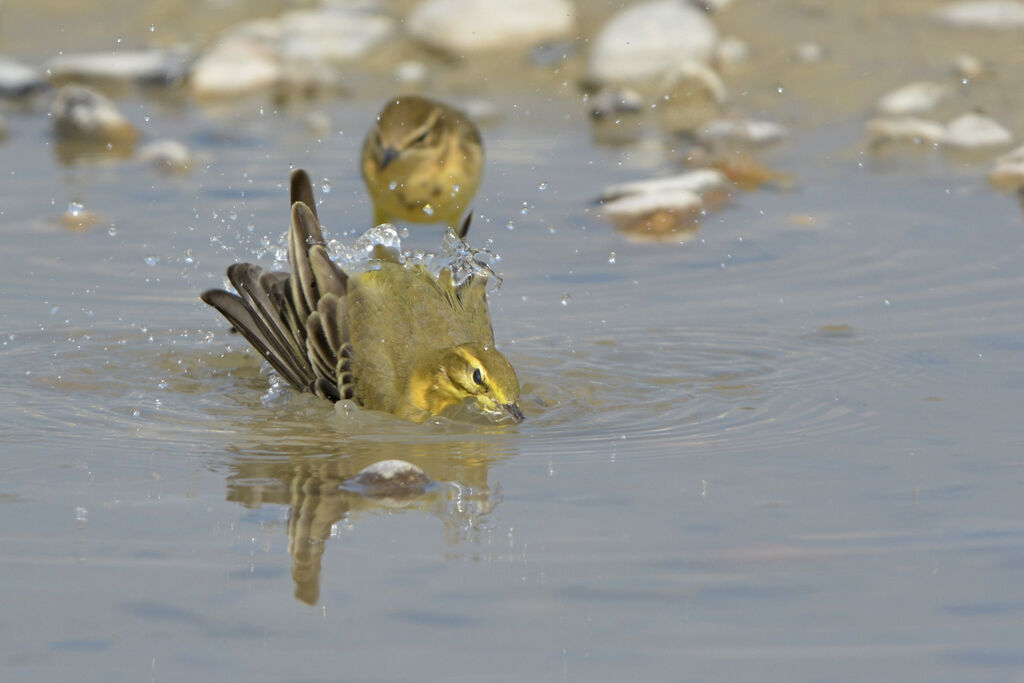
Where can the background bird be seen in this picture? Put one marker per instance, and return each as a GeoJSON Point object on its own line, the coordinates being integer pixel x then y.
{"type": "Point", "coordinates": [396, 339]}
{"type": "Point", "coordinates": [422, 162]}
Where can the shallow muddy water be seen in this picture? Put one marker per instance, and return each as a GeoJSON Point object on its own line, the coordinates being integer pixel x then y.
{"type": "Point", "coordinates": [786, 449]}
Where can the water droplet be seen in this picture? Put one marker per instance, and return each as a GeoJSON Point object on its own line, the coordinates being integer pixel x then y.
{"type": "Point", "coordinates": [81, 514]}
{"type": "Point", "coordinates": [510, 225]}
{"type": "Point", "coordinates": [611, 258]}
{"type": "Point", "coordinates": [233, 215]}
{"type": "Point", "coordinates": [325, 186]}
{"type": "Point", "coordinates": [566, 298]}
{"type": "Point", "coordinates": [151, 259]}
{"type": "Point", "coordinates": [428, 209]}
{"type": "Point", "coordinates": [152, 27]}
{"type": "Point", "coordinates": [780, 89]}
{"type": "Point", "coordinates": [403, 232]}
{"type": "Point", "coordinates": [112, 231]}
{"type": "Point", "coordinates": [393, 185]}
{"type": "Point", "coordinates": [147, 118]}
{"type": "Point", "coordinates": [543, 186]}
{"type": "Point", "coordinates": [163, 384]}
{"type": "Point", "coordinates": [55, 310]}
{"type": "Point", "coordinates": [250, 228]}
{"type": "Point", "coordinates": [190, 256]}
{"type": "Point", "coordinates": [525, 210]}
{"type": "Point", "coordinates": [75, 209]}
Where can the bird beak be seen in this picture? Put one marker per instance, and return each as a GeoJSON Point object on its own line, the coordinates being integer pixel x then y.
{"type": "Point", "coordinates": [387, 155]}
{"type": "Point", "coordinates": [513, 410]}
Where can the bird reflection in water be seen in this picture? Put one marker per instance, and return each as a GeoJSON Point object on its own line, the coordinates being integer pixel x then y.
{"type": "Point", "coordinates": [445, 479]}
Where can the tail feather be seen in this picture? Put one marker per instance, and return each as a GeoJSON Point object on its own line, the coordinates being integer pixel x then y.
{"type": "Point", "coordinates": [242, 317]}
{"type": "Point", "coordinates": [296, 321]}
{"type": "Point", "coordinates": [251, 281]}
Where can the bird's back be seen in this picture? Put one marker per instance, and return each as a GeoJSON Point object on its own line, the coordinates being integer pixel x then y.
{"type": "Point", "coordinates": [399, 315]}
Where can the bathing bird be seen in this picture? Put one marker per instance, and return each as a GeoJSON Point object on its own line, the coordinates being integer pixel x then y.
{"type": "Point", "coordinates": [396, 338]}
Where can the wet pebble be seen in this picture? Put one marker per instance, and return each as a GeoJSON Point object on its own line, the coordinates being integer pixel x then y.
{"type": "Point", "coordinates": [904, 129]}
{"type": "Point", "coordinates": [1008, 172]}
{"type": "Point", "coordinates": [83, 114]}
{"type": "Point", "coordinates": [149, 67]}
{"type": "Point", "coordinates": [391, 479]}
{"type": "Point", "coordinates": [18, 79]}
{"type": "Point", "coordinates": [664, 208]}
{"type": "Point", "coordinates": [167, 156]}
{"type": "Point", "coordinates": [995, 14]}
{"type": "Point", "coordinates": [647, 39]}
{"type": "Point", "coordinates": [913, 98]}
{"type": "Point", "coordinates": [655, 216]}
{"type": "Point", "coordinates": [699, 181]}
{"type": "Point", "coordinates": [742, 131]}
{"type": "Point", "coordinates": [975, 131]}
{"type": "Point", "coordinates": [459, 26]}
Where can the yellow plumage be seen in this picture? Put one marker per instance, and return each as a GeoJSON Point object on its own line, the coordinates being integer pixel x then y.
{"type": "Point", "coordinates": [396, 339]}
{"type": "Point", "coordinates": [422, 162]}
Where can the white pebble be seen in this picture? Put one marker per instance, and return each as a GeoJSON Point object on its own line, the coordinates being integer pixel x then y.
{"type": "Point", "coordinates": [809, 52]}
{"type": "Point", "coordinates": [168, 156]}
{"type": "Point", "coordinates": [233, 67]}
{"type": "Point", "coordinates": [138, 66]}
{"type": "Point", "coordinates": [746, 131]}
{"type": "Point", "coordinates": [968, 66]}
{"type": "Point", "coordinates": [913, 98]}
{"type": "Point", "coordinates": [459, 26]}
{"type": "Point", "coordinates": [904, 129]}
{"type": "Point", "coordinates": [645, 40]}
{"type": "Point", "coordinates": [411, 71]}
{"type": "Point", "coordinates": [695, 182]}
{"type": "Point", "coordinates": [19, 80]}
{"type": "Point", "coordinates": [996, 14]}
{"type": "Point", "coordinates": [1008, 172]}
{"type": "Point", "coordinates": [973, 131]}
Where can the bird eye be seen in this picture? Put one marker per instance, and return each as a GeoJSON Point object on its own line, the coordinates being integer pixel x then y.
{"type": "Point", "coordinates": [478, 377]}
{"type": "Point", "coordinates": [421, 138]}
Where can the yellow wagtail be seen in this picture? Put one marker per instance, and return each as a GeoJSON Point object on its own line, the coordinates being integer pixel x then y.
{"type": "Point", "coordinates": [396, 339]}
{"type": "Point", "coordinates": [422, 162]}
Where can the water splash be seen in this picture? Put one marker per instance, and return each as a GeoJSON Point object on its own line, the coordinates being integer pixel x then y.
{"type": "Point", "coordinates": [455, 255]}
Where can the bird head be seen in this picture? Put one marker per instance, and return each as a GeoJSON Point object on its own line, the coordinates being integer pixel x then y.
{"type": "Point", "coordinates": [408, 128]}
{"type": "Point", "coordinates": [481, 373]}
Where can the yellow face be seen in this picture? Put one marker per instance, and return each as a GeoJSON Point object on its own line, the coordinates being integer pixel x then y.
{"type": "Point", "coordinates": [486, 376]}
{"type": "Point", "coordinates": [422, 162]}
